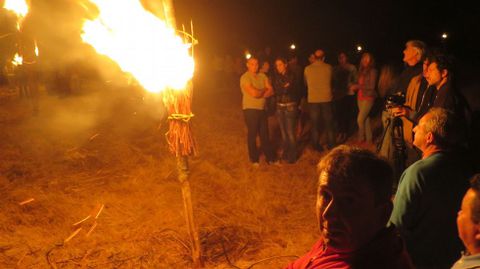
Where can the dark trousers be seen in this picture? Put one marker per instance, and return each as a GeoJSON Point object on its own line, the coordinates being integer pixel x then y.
{"type": "Point", "coordinates": [321, 113]}
{"type": "Point", "coordinates": [346, 111]}
{"type": "Point", "coordinates": [287, 120]}
{"type": "Point", "coordinates": [256, 121]}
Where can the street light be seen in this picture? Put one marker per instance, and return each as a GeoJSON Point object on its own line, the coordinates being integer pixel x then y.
{"type": "Point", "coordinates": [293, 47]}
{"type": "Point", "coordinates": [444, 36]}
{"type": "Point", "coordinates": [359, 48]}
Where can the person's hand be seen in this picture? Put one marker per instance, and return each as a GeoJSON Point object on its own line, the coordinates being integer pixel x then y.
{"type": "Point", "coordinates": [400, 111]}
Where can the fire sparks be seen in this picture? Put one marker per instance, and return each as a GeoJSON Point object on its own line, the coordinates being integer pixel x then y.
{"type": "Point", "coordinates": [141, 44]}
{"type": "Point", "coordinates": [17, 60]}
{"type": "Point", "coordinates": [19, 7]}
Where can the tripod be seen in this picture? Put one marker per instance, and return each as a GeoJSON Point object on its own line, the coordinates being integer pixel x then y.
{"type": "Point", "coordinates": [397, 151]}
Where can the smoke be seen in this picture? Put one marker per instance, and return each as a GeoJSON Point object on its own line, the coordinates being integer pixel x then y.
{"type": "Point", "coordinates": [95, 89]}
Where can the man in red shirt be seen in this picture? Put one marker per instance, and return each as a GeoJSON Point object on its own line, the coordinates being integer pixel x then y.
{"type": "Point", "coordinates": [353, 207]}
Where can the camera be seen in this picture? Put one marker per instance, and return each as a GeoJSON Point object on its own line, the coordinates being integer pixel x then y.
{"type": "Point", "coordinates": [395, 100]}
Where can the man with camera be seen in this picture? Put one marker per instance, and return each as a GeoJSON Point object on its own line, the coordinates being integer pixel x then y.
{"type": "Point", "coordinates": [440, 91]}
{"type": "Point", "coordinates": [403, 94]}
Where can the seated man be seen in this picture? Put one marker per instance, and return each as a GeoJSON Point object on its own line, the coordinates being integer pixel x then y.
{"type": "Point", "coordinates": [353, 207]}
{"type": "Point", "coordinates": [431, 190]}
{"type": "Point", "coordinates": [468, 224]}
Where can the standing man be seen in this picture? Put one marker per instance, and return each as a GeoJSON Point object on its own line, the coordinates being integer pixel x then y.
{"type": "Point", "coordinates": [318, 77]}
{"type": "Point", "coordinates": [468, 224]}
{"type": "Point", "coordinates": [255, 88]}
{"type": "Point", "coordinates": [353, 207]}
{"type": "Point", "coordinates": [344, 77]}
{"type": "Point", "coordinates": [431, 190]}
{"type": "Point", "coordinates": [413, 56]}
{"type": "Point", "coordinates": [395, 152]}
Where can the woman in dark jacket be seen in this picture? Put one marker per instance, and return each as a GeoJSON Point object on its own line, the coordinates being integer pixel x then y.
{"type": "Point", "coordinates": [287, 96]}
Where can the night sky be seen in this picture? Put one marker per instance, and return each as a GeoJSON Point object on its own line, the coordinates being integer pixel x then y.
{"type": "Point", "coordinates": [382, 27]}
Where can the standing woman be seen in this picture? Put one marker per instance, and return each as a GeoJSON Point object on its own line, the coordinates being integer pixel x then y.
{"type": "Point", "coordinates": [287, 98]}
{"type": "Point", "coordinates": [367, 93]}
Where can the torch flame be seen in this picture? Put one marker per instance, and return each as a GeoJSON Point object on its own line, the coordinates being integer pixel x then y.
{"type": "Point", "coordinates": [36, 48]}
{"type": "Point", "coordinates": [141, 44]}
{"type": "Point", "coordinates": [19, 7]}
{"type": "Point", "coordinates": [17, 60]}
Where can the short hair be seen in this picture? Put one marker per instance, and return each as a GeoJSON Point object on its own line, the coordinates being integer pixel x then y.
{"type": "Point", "coordinates": [475, 207]}
{"type": "Point", "coordinates": [359, 166]}
{"type": "Point", "coordinates": [447, 129]}
{"type": "Point", "coordinates": [443, 61]}
{"type": "Point", "coordinates": [281, 59]}
{"type": "Point", "coordinates": [420, 46]}
{"type": "Point", "coordinates": [319, 54]}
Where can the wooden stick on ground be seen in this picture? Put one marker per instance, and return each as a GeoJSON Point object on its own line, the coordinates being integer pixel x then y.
{"type": "Point", "coordinates": [100, 211]}
{"type": "Point", "coordinates": [91, 229]}
{"type": "Point", "coordinates": [27, 201]}
{"type": "Point", "coordinates": [72, 235]}
{"type": "Point", "coordinates": [81, 221]}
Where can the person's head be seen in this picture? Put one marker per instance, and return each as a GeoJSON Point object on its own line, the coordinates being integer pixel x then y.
{"type": "Point", "coordinates": [367, 61]}
{"type": "Point", "coordinates": [438, 129]}
{"type": "Point", "coordinates": [353, 198]}
{"type": "Point", "coordinates": [311, 58]}
{"type": "Point", "coordinates": [439, 70]}
{"type": "Point", "coordinates": [319, 55]}
{"type": "Point", "coordinates": [468, 218]}
{"type": "Point", "coordinates": [252, 65]}
{"type": "Point", "coordinates": [268, 51]}
{"type": "Point", "coordinates": [281, 65]}
{"type": "Point", "coordinates": [265, 67]}
{"type": "Point", "coordinates": [342, 58]}
{"type": "Point", "coordinates": [293, 60]}
{"type": "Point", "coordinates": [414, 52]}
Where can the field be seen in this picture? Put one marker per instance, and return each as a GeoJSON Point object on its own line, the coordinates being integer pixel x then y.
{"type": "Point", "coordinates": [102, 153]}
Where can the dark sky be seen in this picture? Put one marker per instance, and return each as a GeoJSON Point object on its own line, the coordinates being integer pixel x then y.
{"type": "Point", "coordinates": [382, 27]}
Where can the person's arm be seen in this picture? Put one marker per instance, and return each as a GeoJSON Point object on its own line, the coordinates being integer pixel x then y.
{"type": "Point", "coordinates": [251, 90]}
{"type": "Point", "coordinates": [268, 91]}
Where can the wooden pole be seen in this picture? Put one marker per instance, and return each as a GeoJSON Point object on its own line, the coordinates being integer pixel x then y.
{"type": "Point", "coordinates": [183, 173]}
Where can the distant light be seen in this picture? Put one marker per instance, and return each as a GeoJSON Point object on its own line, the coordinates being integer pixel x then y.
{"type": "Point", "coordinates": [292, 47]}
{"type": "Point", "coordinates": [359, 48]}
{"type": "Point", "coordinates": [248, 55]}
{"type": "Point", "coordinates": [444, 36]}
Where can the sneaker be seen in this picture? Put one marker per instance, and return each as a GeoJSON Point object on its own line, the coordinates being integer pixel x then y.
{"type": "Point", "coordinates": [276, 163]}
{"type": "Point", "coordinates": [255, 165]}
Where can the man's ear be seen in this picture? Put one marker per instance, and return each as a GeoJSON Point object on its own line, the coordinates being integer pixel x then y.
{"type": "Point", "coordinates": [477, 232]}
{"type": "Point", "coordinates": [429, 138]}
{"type": "Point", "coordinates": [444, 73]}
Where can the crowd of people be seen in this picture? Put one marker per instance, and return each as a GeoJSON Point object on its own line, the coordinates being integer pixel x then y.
{"type": "Point", "coordinates": [372, 212]}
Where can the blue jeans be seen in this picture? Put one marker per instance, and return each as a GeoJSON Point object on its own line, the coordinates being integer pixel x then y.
{"type": "Point", "coordinates": [322, 112]}
{"type": "Point", "coordinates": [287, 120]}
{"type": "Point", "coordinates": [256, 121]}
{"type": "Point", "coordinates": [363, 120]}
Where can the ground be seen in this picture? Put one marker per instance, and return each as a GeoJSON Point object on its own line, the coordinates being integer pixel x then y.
{"type": "Point", "coordinates": [103, 154]}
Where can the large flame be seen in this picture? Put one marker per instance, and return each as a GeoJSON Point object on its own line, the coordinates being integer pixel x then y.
{"type": "Point", "coordinates": [142, 44]}
{"type": "Point", "coordinates": [19, 7]}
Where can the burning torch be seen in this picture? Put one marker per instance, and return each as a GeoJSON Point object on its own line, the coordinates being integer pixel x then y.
{"type": "Point", "coordinates": [162, 62]}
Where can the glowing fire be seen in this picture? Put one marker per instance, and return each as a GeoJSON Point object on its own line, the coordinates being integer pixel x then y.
{"type": "Point", "coordinates": [19, 7]}
{"type": "Point", "coordinates": [142, 44]}
{"type": "Point", "coordinates": [36, 49]}
{"type": "Point", "coordinates": [17, 60]}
